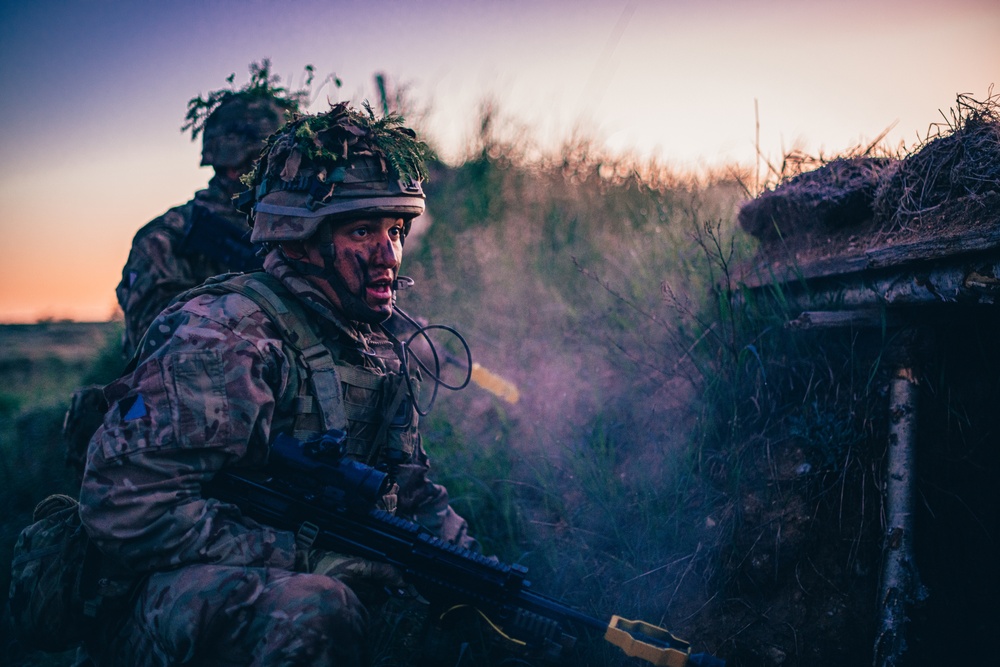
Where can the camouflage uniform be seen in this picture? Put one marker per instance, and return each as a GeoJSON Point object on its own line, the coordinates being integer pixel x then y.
{"type": "Point", "coordinates": [168, 258]}
{"type": "Point", "coordinates": [213, 385]}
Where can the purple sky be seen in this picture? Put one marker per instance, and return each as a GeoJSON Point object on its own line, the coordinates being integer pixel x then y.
{"type": "Point", "coordinates": [95, 94]}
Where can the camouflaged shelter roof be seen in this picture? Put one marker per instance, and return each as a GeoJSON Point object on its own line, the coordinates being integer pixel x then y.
{"type": "Point", "coordinates": [858, 213]}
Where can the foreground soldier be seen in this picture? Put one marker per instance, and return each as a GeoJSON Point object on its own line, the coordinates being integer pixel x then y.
{"type": "Point", "coordinates": [204, 237]}
{"type": "Point", "coordinates": [295, 349]}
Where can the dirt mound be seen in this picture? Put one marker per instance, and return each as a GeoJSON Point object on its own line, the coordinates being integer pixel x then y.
{"type": "Point", "coordinates": [835, 195]}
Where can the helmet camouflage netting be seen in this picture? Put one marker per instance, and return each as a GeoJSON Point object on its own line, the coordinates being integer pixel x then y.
{"type": "Point", "coordinates": [236, 122]}
{"type": "Point", "coordinates": [342, 164]}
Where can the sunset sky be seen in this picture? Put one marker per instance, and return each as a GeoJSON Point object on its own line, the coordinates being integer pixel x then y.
{"type": "Point", "coordinates": [95, 91]}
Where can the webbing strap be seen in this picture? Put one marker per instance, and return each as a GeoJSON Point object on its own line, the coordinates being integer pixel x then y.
{"type": "Point", "coordinates": [280, 306]}
{"type": "Point", "coordinates": [326, 385]}
{"type": "Point", "coordinates": [387, 417]}
{"type": "Point", "coordinates": [266, 294]}
{"type": "Point", "coordinates": [358, 377]}
{"type": "Point", "coordinates": [306, 535]}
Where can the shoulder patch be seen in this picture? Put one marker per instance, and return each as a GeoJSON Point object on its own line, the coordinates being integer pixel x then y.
{"type": "Point", "coordinates": [132, 410]}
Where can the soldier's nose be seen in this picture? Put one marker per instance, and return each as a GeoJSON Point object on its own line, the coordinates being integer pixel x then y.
{"type": "Point", "coordinates": [386, 253]}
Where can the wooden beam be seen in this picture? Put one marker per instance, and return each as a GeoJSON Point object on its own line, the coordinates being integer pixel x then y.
{"type": "Point", "coordinates": [831, 319]}
{"type": "Point", "coordinates": [901, 585]}
{"type": "Point", "coordinates": [776, 267]}
{"type": "Point", "coordinates": [972, 281]}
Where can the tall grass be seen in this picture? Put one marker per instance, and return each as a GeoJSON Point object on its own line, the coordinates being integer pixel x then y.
{"type": "Point", "coordinates": [580, 278]}
{"type": "Point", "coordinates": [679, 454]}
{"type": "Point", "coordinates": [791, 434]}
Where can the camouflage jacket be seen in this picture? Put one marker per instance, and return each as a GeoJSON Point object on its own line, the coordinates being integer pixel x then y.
{"type": "Point", "coordinates": [207, 394]}
{"type": "Point", "coordinates": [180, 249]}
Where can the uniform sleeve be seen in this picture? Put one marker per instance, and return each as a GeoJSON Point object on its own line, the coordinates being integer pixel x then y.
{"type": "Point", "coordinates": [427, 503]}
{"type": "Point", "coordinates": [153, 275]}
{"type": "Point", "coordinates": [201, 401]}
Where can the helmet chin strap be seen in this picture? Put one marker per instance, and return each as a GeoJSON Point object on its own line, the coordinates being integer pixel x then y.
{"type": "Point", "coordinates": [351, 305]}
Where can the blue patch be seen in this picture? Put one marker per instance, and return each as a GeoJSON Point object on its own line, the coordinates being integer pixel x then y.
{"type": "Point", "coordinates": [137, 410]}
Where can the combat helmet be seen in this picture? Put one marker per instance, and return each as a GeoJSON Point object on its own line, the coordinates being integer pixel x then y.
{"type": "Point", "coordinates": [235, 123]}
{"type": "Point", "coordinates": [341, 164]}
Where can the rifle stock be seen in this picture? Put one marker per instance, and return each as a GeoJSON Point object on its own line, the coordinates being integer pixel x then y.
{"type": "Point", "coordinates": [309, 495]}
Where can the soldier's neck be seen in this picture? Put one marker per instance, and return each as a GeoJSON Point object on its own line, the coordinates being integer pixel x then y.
{"type": "Point", "coordinates": [227, 181]}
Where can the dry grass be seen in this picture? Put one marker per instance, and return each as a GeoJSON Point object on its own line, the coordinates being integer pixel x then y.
{"type": "Point", "coordinates": [959, 161]}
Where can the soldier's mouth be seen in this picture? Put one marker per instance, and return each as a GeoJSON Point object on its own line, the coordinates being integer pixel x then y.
{"type": "Point", "coordinates": [379, 290]}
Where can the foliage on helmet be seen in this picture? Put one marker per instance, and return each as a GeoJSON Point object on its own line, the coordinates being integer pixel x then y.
{"type": "Point", "coordinates": [340, 164]}
{"type": "Point", "coordinates": [322, 143]}
{"type": "Point", "coordinates": [263, 85]}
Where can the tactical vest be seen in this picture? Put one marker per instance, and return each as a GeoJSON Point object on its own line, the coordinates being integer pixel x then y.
{"type": "Point", "coordinates": [372, 404]}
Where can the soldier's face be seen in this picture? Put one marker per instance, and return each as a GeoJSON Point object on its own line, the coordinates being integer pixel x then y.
{"type": "Point", "coordinates": [362, 262]}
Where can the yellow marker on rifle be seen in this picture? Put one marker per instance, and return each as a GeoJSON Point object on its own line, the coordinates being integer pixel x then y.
{"type": "Point", "coordinates": [653, 644]}
{"type": "Point", "coordinates": [496, 385]}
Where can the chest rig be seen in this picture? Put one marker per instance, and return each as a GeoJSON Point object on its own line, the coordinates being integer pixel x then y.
{"type": "Point", "coordinates": [333, 383]}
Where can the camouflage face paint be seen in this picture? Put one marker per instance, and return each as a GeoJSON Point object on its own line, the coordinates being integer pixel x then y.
{"type": "Point", "coordinates": [362, 262]}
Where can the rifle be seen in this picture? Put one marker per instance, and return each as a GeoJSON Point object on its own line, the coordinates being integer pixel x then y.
{"type": "Point", "coordinates": [310, 488]}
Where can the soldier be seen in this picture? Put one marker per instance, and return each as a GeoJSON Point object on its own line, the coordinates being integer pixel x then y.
{"type": "Point", "coordinates": [206, 236]}
{"type": "Point", "coordinates": [297, 348]}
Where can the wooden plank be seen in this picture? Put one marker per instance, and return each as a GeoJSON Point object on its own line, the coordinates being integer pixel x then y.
{"type": "Point", "coordinates": [832, 319]}
{"type": "Point", "coordinates": [985, 241]}
{"type": "Point", "coordinates": [971, 241]}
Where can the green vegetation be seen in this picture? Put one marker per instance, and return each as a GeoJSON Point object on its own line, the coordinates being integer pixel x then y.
{"type": "Point", "coordinates": [679, 454]}
{"type": "Point", "coordinates": [263, 85]}
{"type": "Point", "coordinates": [40, 367]}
